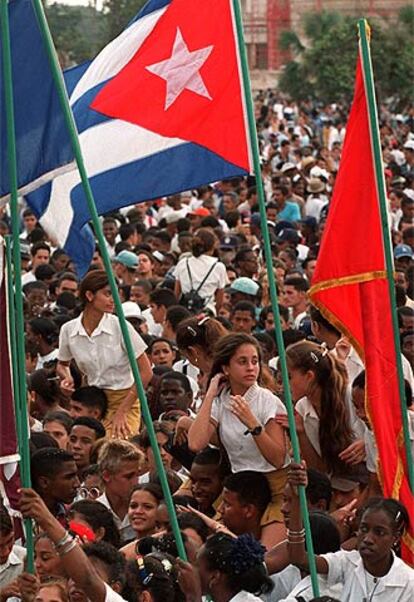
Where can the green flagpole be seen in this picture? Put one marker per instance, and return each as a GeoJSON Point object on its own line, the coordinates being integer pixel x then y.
{"type": "Point", "coordinates": [382, 198]}
{"type": "Point", "coordinates": [22, 422]}
{"type": "Point", "coordinates": [70, 123]}
{"type": "Point", "coordinates": [272, 287]}
{"type": "Point", "coordinates": [11, 311]}
{"type": "Point", "coordinates": [20, 413]}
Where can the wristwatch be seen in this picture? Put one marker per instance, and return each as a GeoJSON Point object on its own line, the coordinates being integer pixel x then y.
{"type": "Point", "coordinates": [254, 432]}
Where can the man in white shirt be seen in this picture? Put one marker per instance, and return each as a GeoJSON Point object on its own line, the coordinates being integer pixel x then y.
{"type": "Point", "coordinates": [40, 253]}
{"type": "Point", "coordinates": [295, 298]}
{"type": "Point", "coordinates": [120, 463]}
{"type": "Point", "coordinates": [314, 202]}
{"type": "Point", "coordinates": [43, 333]}
{"type": "Point", "coordinates": [160, 300]}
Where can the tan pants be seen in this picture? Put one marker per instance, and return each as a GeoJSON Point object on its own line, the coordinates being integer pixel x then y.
{"type": "Point", "coordinates": [115, 398]}
{"type": "Point", "coordinates": [277, 481]}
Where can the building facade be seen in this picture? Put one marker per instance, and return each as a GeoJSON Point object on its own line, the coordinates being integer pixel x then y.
{"type": "Point", "coordinates": [265, 20]}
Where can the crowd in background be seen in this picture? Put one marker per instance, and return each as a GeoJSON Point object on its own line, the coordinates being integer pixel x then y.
{"type": "Point", "coordinates": [191, 276]}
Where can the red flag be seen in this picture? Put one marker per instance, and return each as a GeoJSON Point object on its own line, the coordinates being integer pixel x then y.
{"type": "Point", "coordinates": [350, 289]}
{"type": "Point", "coordinates": [9, 456]}
{"type": "Point", "coordinates": [184, 81]}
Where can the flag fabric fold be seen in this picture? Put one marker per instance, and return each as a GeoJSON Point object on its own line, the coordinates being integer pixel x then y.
{"type": "Point", "coordinates": [350, 289]}
{"type": "Point", "coordinates": [42, 142]}
{"type": "Point", "coordinates": [9, 453]}
{"type": "Point", "coordinates": [160, 110]}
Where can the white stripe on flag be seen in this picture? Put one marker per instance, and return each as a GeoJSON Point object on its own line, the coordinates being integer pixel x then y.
{"type": "Point", "coordinates": [116, 54]}
{"type": "Point", "coordinates": [105, 146]}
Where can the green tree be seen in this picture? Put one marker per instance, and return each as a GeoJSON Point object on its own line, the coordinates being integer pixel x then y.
{"type": "Point", "coordinates": [79, 32]}
{"type": "Point", "coordinates": [119, 13]}
{"type": "Point", "coordinates": [323, 65]}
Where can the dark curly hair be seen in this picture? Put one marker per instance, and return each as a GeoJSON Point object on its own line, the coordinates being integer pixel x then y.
{"type": "Point", "coordinates": [241, 559]}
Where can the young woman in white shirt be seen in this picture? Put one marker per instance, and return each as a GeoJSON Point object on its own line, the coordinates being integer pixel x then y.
{"type": "Point", "coordinates": [196, 338]}
{"type": "Point", "coordinates": [318, 382]}
{"type": "Point", "coordinates": [243, 415]}
{"type": "Point", "coordinates": [372, 572]}
{"type": "Point", "coordinates": [142, 513]}
{"type": "Point", "coordinates": [190, 272]}
{"type": "Point", "coordinates": [94, 340]}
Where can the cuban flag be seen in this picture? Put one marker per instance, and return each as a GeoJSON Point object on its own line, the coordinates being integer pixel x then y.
{"type": "Point", "coordinates": [160, 110]}
{"type": "Point", "coordinates": [43, 147]}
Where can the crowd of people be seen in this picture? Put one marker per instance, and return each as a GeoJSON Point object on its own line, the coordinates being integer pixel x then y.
{"type": "Point", "coordinates": [191, 276]}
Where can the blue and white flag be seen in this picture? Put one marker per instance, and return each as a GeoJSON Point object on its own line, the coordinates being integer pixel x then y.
{"type": "Point", "coordinates": [160, 110]}
{"type": "Point", "coordinates": [42, 143]}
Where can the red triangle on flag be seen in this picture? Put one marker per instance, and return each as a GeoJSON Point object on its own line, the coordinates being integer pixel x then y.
{"type": "Point", "coordinates": [185, 82]}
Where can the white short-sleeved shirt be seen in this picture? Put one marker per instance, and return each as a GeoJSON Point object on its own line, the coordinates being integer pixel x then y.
{"type": "Point", "coordinates": [347, 568]}
{"type": "Point", "coordinates": [43, 359]}
{"type": "Point", "coordinates": [355, 365]}
{"type": "Point", "coordinates": [102, 356]}
{"type": "Point", "coordinates": [289, 586]}
{"type": "Point", "coordinates": [242, 450]}
{"type": "Point", "coordinates": [244, 596]}
{"type": "Point", "coordinates": [124, 526]}
{"type": "Point", "coordinates": [371, 449]}
{"type": "Point", "coordinates": [191, 372]}
{"type": "Point", "coordinates": [111, 596]}
{"type": "Point", "coordinates": [311, 422]}
{"type": "Point", "coordinates": [199, 266]}
{"type": "Point", "coordinates": [313, 207]}
{"type": "Point", "coordinates": [154, 329]}
{"type": "Point", "coordinates": [14, 565]}
{"type": "Point", "coordinates": [28, 277]}
{"type": "Point", "coordinates": [283, 583]}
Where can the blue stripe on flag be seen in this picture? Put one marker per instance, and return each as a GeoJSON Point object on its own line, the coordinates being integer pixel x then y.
{"type": "Point", "coordinates": [42, 141]}
{"type": "Point", "coordinates": [157, 175]}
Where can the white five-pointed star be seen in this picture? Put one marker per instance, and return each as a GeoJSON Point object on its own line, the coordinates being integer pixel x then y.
{"type": "Point", "coordinates": [182, 70]}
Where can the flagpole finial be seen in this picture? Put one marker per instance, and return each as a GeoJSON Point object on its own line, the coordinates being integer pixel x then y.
{"type": "Point", "coordinates": [368, 30]}
{"type": "Point", "coordinates": [367, 27]}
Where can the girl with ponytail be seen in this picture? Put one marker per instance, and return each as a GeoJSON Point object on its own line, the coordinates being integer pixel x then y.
{"type": "Point", "coordinates": [202, 273]}
{"type": "Point", "coordinates": [318, 382]}
{"type": "Point", "coordinates": [196, 338]}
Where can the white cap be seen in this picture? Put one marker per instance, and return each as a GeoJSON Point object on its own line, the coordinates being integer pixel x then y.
{"type": "Point", "coordinates": [131, 310]}
{"type": "Point", "coordinates": [318, 172]}
{"type": "Point", "coordinates": [409, 192]}
{"type": "Point", "coordinates": [173, 217]}
{"type": "Point", "coordinates": [399, 157]}
{"type": "Point", "coordinates": [287, 167]}
{"type": "Point", "coordinates": [409, 145]}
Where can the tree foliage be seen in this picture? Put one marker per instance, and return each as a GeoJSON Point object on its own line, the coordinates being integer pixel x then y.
{"type": "Point", "coordinates": [80, 32]}
{"type": "Point", "coordinates": [119, 13]}
{"type": "Point", "coordinates": [323, 64]}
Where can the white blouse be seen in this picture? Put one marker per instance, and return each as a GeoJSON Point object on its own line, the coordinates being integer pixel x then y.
{"type": "Point", "coordinates": [102, 356]}
{"type": "Point", "coordinates": [347, 568]}
{"type": "Point", "coordinates": [199, 267]}
{"type": "Point", "coordinates": [242, 450]}
{"type": "Point", "coordinates": [311, 421]}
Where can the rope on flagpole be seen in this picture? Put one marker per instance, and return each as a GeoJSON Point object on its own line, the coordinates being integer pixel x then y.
{"type": "Point", "coordinates": [71, 125]}
{"type": "Point", "coordinates": [272, 287]}
{"type": "Point", "coordinates": [364, 36]}
{"type": "Point", "coordinates": [22, 423]}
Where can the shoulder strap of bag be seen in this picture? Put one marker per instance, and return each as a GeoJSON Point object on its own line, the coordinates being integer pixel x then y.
{"type": "Point", "coordinates": [189, 274]}
{"type": "Point", "coordinates": [206, 276]}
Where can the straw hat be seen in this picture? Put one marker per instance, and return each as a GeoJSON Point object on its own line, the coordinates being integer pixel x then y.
{"type": "Point", "coordinates": [315, 185]}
